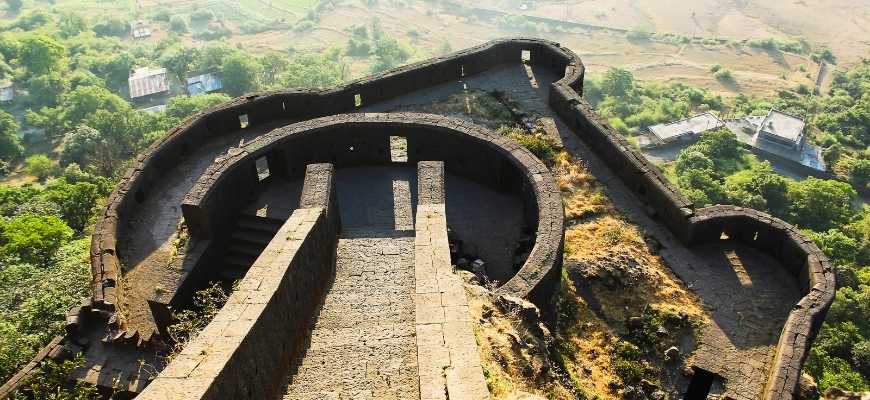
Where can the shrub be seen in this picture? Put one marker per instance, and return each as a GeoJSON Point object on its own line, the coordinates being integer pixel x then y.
{"type": "Point", "coordinates": [34, 238]}
{"type": "Point", "coordinates": [202, 16]}
{"type": "Point", "coordinates": [638, 36]}
{"type": "Point", "coordinates": [188, 323]}
{"type": "Point", "coordinates": [724, 76]}
{"type": "Point", "coordinates": [38, 165]}
{"type": "Point", "coordinates": [51, 381]}
{"type": "Point", "coordinates": [111, 27]}
{"type": "Point", "coordinates": [178, 24]}
{"type": "Point", "coordinates": [162, 15]}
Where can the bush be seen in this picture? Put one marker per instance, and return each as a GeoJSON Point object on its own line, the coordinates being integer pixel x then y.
{"type": "Point", "coordinates": [51, 381]}
{"type": "Point", "coordinates": [162, 15]}
{"type": "Point", "coordinates": [38, 165]}
{"type": "Point", "coordinates": [538, 143]}
{"type": "Point", "coordinates": [111, 27]}
{"type": "Point", "coordinates": [33, 238]}
{"type": "Point", "coordinates": [638, 36]}
{"type": "Point", "coordinates": [202, 16]}
{"type": "Point", "coordinates": [724, 76]}
{"type": "Point", "coordinates": [188, 323]}
{"type": "Point", "coordinates": [178, 24]}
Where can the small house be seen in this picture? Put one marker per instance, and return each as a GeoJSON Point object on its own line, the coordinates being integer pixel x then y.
{"type": "Point", "coordinates": [205, 83]}
{"type": "Point", "coordinates": [782, 129]}
{"type": "Point", "coordinates": [146, 81]}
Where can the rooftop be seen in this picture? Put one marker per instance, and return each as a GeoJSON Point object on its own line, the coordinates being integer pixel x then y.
{"type": "Point", "coordinates": [204, 83]}
{"type": "Point", "coordinates": [783, 125]}
{"type": "Point", "coordinates": [146, 80]}
{"type": "Point", "coordinates": [692, 125]}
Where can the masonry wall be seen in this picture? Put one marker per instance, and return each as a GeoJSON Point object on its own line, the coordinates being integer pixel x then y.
{"type": "Point", "coordinates": [248, 347]}
{"type": "Point", "coordinates": [363, 139]}
{"type": "Point", "coordinates": [663, 199]}
{"type": "Point", "coordinates": [447, 355]}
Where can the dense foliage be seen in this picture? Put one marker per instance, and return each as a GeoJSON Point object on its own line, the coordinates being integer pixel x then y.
{"type": "Point", "coordinates": [631, 106]}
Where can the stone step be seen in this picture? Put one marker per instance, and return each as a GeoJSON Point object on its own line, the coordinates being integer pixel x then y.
{"type": "Point", "coordinates": [239, 260]}
{"type": "Point", "coordinates": [259, 223]}
{"type": "Point", "coordinates": [259, 238]}
{"type": "Point", "coordinates": [247, 248]}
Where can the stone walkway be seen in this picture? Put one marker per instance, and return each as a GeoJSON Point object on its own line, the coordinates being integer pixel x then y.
{"type": "Point", "coordinates": [363, 345]}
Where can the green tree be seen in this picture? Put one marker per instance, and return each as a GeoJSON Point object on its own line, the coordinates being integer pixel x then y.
{"type": "Point", "coordinates": [859, 171]}
{"type": "Point", "coordinates": [71, 24]}
{"type": "Point", "coordinates": [40, 54]}
{"type": "Point", "coordinates": [45, 90]}
{"type": "Point", "coordinates": [38, 165]}
{"type": "Point", "coordinates": [841, 248]}
{"type": "Point", "coordinates": [617, 82]}
{"type": "Point", "coordinates": [692, 159]}
{"type": "Point", "coordinates": [239, 74]}
{"type": "Point", "coordinates": [273, 65]}
{"type": "Point", "coordinates": [178, 60]}
{"type": "Point", "coordinates": [178, 24]}
{"type": "Point", "coordinates": [701, 187]}
{"type": "Point", "coordinates": [315, 71]}
{"type": "Point", "coordinates": [759, 182]}
{"type": "Point", "coordinates": [820, 204]}
{"type": "Point", "coordinates": [33, 238]}
{"type": "Point", "coordinates": [387, 52]}
{"type": "Point", "coordinates": [85, 101]}
{"type": "Point", "coordinates": [10, 144]}
{"type": "Point", "coordinates": [76, 201]}
{"type": "Point", "coordinates": [111, 26]}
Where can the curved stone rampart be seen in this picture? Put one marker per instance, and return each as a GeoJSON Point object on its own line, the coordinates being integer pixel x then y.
{"type": "Point", "coordinates": [349, 139]}
{"type": "Point", "coordinates": [646, 181]}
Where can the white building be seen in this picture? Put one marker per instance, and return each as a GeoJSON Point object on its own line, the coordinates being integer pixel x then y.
{"type": "Point", "coordinates": [782, 129]}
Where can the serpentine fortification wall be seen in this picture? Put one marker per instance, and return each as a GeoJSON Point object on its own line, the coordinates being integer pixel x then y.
{"type": "Point", "coordinates": [796, 253]}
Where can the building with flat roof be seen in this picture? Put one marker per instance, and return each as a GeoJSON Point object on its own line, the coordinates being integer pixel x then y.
{"type": "Point", "coordinates": [205, 83]}
{"type": "Point", "coordinates": [782, 129]}
{"type": "Point", "coordinates": [685, 129]}
{"type": "Point", "coordinates": [146, 81]}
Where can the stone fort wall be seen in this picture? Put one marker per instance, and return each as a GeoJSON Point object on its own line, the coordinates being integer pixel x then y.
{"type": "Point", "coordinates": [467, 150]}
{"type": "Point", "coordinates": [797, 253]}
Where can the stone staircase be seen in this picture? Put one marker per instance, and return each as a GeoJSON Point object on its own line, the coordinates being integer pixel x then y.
{"type": "Point", "coordinates": [248, 240]}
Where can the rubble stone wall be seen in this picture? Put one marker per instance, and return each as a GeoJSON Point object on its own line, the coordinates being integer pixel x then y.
{"type": "Point", "coordinates": [247, 348]}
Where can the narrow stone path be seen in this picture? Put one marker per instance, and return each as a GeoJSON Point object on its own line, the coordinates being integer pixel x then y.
{"type": "Point", "coordinates": [363, 345]}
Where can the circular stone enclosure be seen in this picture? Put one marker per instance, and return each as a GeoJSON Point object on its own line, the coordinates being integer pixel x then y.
{"type": "Point", "coordinates": [351, 140]}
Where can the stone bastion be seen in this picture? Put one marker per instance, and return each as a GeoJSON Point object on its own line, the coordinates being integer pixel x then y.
{"type": "Point", "coordinates": [313, 126]}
